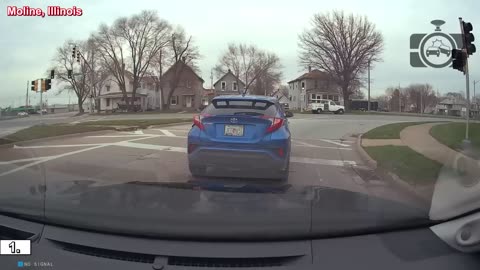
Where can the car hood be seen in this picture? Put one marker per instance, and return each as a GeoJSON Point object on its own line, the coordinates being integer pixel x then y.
{"type": "Point", "coordinates": [205, 209]}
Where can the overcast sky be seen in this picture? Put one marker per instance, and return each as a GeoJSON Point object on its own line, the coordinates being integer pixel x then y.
{"type": "Point", "coordinates": [27, 44]}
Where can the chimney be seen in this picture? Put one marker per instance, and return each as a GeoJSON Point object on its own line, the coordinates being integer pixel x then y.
{"type": "Point", "coordinates": [309, 68]}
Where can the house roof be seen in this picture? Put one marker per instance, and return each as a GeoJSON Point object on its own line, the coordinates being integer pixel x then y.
{"type": "Point", "coordinates": [186, 67]}
{"type": "Point", "coordinates": [224, 75]}
{"type": "Point", "coordinates": [314, 74]}
{"type": "Point", "coordinates": [452, 101]}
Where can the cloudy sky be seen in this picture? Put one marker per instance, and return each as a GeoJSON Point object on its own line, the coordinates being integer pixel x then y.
{"type": "Point", "coordinates": [27, 44]}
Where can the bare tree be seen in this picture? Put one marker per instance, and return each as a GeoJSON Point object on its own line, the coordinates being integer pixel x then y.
{"type": "Point", "coordinates": [132, 43]}
{"type": "Point", "coordinates": [421, 96]}
{"type": "Point", "coordinates": [259, 69]}
{"type": "Point", "coordinates": [79, 81]}
{"type": "Point", "coordinates": [180, 53]}
{"type": "Point", "coordinates": [342, 46]}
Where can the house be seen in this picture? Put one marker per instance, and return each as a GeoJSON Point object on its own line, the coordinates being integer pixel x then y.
{"type": "Point", "coordinates": [189, 90]}
{"type": "Point", "coordinates": [208, 95]}
{"type": "Point", "coordinates": [310, 87]}
{"type": "Point", "coordinates": [280, 96]}
{"type": "Point", "coordinates": [229, 84]}
{"type": "Point", "coordinates": [111, 97]}
{"type": "Point", "coordinates": [454, 107]}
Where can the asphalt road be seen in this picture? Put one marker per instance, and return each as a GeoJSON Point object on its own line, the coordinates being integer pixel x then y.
{"type": "Point", "coordinates": [323, 154]}
{"type": "Point", "coordinates": [13, 125]}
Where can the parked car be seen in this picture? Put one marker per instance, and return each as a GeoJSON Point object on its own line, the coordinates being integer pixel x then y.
{"type": "Point", "coordinates": [325, 105]}
{"type": "Point", "coordinates": [240, 135]}
{"type": "Point", "coordinates": [22, 114]}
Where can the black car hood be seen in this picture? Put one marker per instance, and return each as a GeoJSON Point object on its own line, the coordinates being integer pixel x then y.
{"type": "Point", "coordinates": [205, 209]}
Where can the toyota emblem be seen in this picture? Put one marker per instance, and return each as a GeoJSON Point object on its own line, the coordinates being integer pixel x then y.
{"type": "Point", "coordinates": [233, 120]}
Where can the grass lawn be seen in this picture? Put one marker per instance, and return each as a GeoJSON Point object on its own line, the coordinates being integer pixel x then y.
{"type": "Point", "coordinates": [390, 131]}
{"type": "Point", "coordinates": [43, 131]}
{"type": "Point", "coordinates": [136, 122]}
{"type": "Point", "coordinates": [409, 165]}
{"type": "Point", "coordinates": [452, 135]}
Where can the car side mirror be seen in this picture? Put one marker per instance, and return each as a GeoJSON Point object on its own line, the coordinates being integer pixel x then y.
{"type": "Point", "coordinates": [288, 114]}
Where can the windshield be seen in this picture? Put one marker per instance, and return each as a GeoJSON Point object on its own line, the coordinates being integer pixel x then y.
{"type": "Point", "coordinates": [187, 119]}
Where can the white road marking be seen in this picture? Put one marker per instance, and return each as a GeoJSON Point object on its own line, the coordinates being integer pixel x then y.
{"type": "Point", "coordinates": [334, 142]}
{"type": "Point", "coordinates": [20, 160]}
{"type": "Point", "coordinates": [138, 132]}
{"type": "Point", "coordinates": [166, 132]}
{"type": "Point", "coordinates": [48, 159]}
{"type": "Point", "coordinates": [45, 159]}
{"type": "Point", "coordinates": [59, 145]}
{"type": "Point", "coordinates": [153, 147]}
{"type": "Point", "coordinates": [118, 136]}
{"type": "Point", "coordinates": [319, 161]}
{"type": "Point", "coordinates": [317, 146]}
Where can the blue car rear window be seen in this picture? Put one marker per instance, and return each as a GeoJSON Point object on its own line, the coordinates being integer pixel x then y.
{"type": "Point", "coordinates": [235, 107]}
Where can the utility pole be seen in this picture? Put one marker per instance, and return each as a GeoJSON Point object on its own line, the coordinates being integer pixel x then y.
{"type": "Point", "coordinates": [368, 85]}
{"type": "Point", "coordinates": [474, 98]}
{"type": "Point", "coordinates": [26, 99]}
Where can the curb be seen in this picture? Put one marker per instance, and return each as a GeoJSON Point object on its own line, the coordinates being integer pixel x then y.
{"type": "Point", "coordinates": [389, 176]}
{"type": "Point", "coordinates": [370, 162]}
{"type": "Point", "coordinates": [46, 139]}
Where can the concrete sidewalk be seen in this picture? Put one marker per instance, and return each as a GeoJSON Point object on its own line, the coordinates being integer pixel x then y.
{"type": "Point", "coordinates": [419, 139]}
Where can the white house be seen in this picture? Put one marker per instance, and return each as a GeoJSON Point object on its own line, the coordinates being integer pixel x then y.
{"type": "Point", "coordinates": [146, 98]}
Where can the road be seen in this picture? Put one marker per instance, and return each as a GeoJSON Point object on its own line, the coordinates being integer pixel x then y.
{"type": "Point", "coordinates": [323, 154]}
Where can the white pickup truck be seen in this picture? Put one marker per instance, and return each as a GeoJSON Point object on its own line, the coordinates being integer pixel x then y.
{"type": "Point", "coordinates": [325, 105]}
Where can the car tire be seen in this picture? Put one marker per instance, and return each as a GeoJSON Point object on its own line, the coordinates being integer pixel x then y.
{"type": "Point", "coordinates": [197, 170]}
{"type": "Point", "coordinates": [340, 111]}
{"type": "Point", "coordinates": [283, 175]}
{"type": "Point", "coordinates": [319, 111]}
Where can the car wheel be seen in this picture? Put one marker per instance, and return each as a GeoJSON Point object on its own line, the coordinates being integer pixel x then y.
{"type": "Point", "coordinates": [319, 111]}
{"type": "Point", "coordinates": [197, 170]}
{"type": "Point", "coordinates": [340, 111]}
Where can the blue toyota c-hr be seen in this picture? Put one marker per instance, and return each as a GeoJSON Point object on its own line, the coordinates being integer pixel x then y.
{"type": "Point", "coordinates": [240, 136]}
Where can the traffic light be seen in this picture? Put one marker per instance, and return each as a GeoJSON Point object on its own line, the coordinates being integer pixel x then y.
{"type": "Point", "coordinates": [48, 84]}
{"type": "Point", "coordinates": [74, 52]}
{"type": "Point", "coordinates": [458, 60]}
{"type": "Point", "coordinates": [69, 73]}
{"type": "Point", "coordinates": [52, 74]}
{"type": "Point", "coordinates": [468, 38]}
{"type": "Point", "coordinates": [42, 84]}
{"type": "Point", "coordinates": [34, 86]}
{"type": "Point", "coordinates": [78, 56]}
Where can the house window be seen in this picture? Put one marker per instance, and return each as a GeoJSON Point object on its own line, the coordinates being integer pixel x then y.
{"type": "Point", "coordinates": [224, 86]}
{"type": "Point", "coordinates": [312, 96]}
{"type": "Point", "coordinates": [325, 96]}
{"type": "Point", "coordinates": [234, 86]}
{"type": "Point", "coordinates": [174, 100]}
{"type": "Point", "coordinates": [108, 102]}
{"type": "Point", "coordinates": [204, 101]}
{"type": "Point", "coordinates": [303, 85]}
{"type": "Point", "coordinates": [108, 88]}
{"type": "Point", "coordinates": [330, 96]}
{"type": "Point", "coordinates": [290, 98]}
{"type": "Point", "coordinates": [189, 85]}
{"type": "Point", "coordinates": [335, 98]}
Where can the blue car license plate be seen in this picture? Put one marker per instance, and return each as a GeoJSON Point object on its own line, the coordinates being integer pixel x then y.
{"type": "Point", "coordinates": [233, 130]}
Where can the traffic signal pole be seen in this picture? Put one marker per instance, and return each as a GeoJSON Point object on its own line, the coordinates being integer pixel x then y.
{"type": "Point", "coordinates": [467, 77]}
{"type": "Point", "coordinates": [26, 97]}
